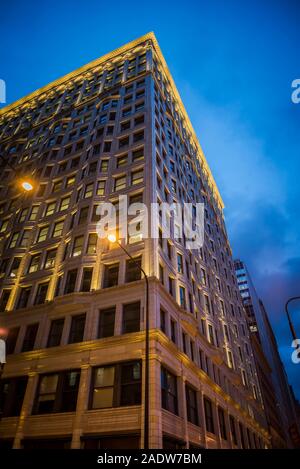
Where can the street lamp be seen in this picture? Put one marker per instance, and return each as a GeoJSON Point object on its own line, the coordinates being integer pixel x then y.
{"type": "Point", "coordinates": [113, 239]}
{"type": "Point", "coordinates": [289, 318]}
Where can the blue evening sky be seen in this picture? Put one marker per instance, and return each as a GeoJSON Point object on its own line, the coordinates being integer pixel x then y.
{"type": "Point", "coordinates": [233, 63]}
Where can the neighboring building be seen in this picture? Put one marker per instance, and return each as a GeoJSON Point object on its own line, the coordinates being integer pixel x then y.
{"type": "Point", "coordinates": [74, 305]}
{"type": "Point", "coordinates": [279, 401]}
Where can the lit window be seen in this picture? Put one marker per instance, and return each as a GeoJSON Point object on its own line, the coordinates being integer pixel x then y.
{"type": "Point", "coordinates": [43, 234]}
{"type": "Point", "coordinates": [58, 228]}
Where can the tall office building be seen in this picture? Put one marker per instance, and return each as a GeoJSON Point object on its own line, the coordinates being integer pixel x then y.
{"type": "Point", "coordinates": [279, 401]}
{"type": "Point", "coordinates": [75, 304]}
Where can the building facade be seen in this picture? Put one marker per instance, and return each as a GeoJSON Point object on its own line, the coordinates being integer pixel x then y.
{"type": "Point", "coordinates": [280, 404]}
{"type": "Point", "coordinates": [74, 304]}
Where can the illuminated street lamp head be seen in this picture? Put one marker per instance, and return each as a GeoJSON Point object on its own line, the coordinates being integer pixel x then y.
{"type": "Point", "coordinates": [27, 186]}
{"type": "Point", "coordinates": [112, 238]}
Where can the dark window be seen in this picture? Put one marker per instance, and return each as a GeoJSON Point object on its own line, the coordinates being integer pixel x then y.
{"type": "Point", "coordinates": [116, 385]}
{"type": "Point", "coordinates": [41, 293]}
{"type": "Point", "coordinates": [11, 340]}
{"type": "Point", "coordinates": [173, 331]}
{"type": "Point", "coordinates": [57, 392]}
{"type": "Point", "coordinates": [191, 405]}
{"type": "Point", "coordinates": [209, 419]}
{"type": "Point", "coordinates": [233, 430]}
{"type": "Point", "coordinates": [131, 317]}
{"type": "Point", "coordinates": [83, 215]}
{"type": "Point", "coordinates": [163, 320]}
{"type": "Point", "coordinates": [24, 297]}
{"type": "Point", "coordinates": [242, 436]}
{"type": "Point", "coordinates": [107, 322]}
{"type": "Point", "coordinates": [77, 328]}
{"type": "Point", "coordinates": [12, 393]}
{"type": "Point", "coordinates": [55, 333]}
{"type": "Point", "coordinates": [222, 424]}
{"type": "Point", "coordinates": [86, 279]}
{"type": "Point", "coordinates": [71, 281]}
{"type": "Point", "coordinates": [133, 269]}
{"type": "Point", "coordinates": [111, 274]}
{"type": "Point", "coordinates": [29, 338]}
{"type": "Point", "coordinates": [168, 391]}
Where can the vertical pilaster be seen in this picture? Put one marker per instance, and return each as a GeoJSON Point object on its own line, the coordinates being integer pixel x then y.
{"type": "Point", "coordinates": [81, 405]}
{"type": "Point", "coordinates": [26, 408]}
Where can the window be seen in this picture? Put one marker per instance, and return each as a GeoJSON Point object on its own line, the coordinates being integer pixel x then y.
{"type": "Point", "coordinates": [173, 331]}
{"type": "Point", "coordinates": [50, 259]}
{"type": "Point", "coordinates": [137, 177]}
{"type": "Point", "coordinates": [77, 246]}
{"type": "Point", "coordinates": [138, 136]}
{"type": "Point", "coordinates": [77, 328]}
{"type": "Point", "coordinates": [57, 186]}
{"type": "Point", "coordinates": [169, 391]}
{"type": "Point", "coordinates": [58, 229]}
{"type": "Point", "coordinates": [43, 234]}
{"type": "Point", "coordinates": [11, 340]}
{"type": "Point", "coordinates": [15, 267]}
{"type": "Point", "coordinates": [57, 392]}
{"type": "Point", "coordinates": [14, 239]}
{"type": "Point", "coordinates": [64, 203]}
{"type": "Point", "coordinates": [34, 263]}
{"type": "Point", "coordinates": [29, 338]}
{"type": "Point", "coordinates": [209, 420]}
{"type": "Point", "coordinates": [101, 187]}
{"type": "Point", "coordinates": [138, 155]}
{"type": "Point", "coordinates": [83, 214]}
{"type": "Point", "coordinates": [124, 142]}
{"type": "Point", "coordinates": [25, 238]}
{"type": "Point", "coordinates": [191, 405]}
{"type": "Point", "coordinates": [163, 321]}
{"type": "Point", "coordinates": [161, 274]}
{"type": "Point", "coordinates": [107, 146]}
{"type": "Point", "coordinates": [211, 334]}
{"type": "Point", "coordinates": [34, 212]}
{"type": "Point", "coordinates": [4, 299]}
{"type": "Point", "coordinates": [243, 443]}
{"type": "Point", "coordinates": [122, 160]}
{"type": "Point", "coordinates": [88, 191]}
{"type": "Point", "coordinates": [41, 293]}
{"type": "Point", "coordinates": [92, 243]}
{"type": "Point", "coordinates": [179, 263]}
{"type": "Point", "coordinates": [55, 333]}
{"type": "Point", "coordinates": [207, 304]}
{"type": "Point", "coordinates": [131, 317]}
{"type": "Point", "coordinates": [171, 286]}
{"type": "Point", "coordinates": [107, 322]}
{"type": "Point", "coordinates": [71, 281]}
{"type": "Point", "coordinates": [182, 297]}
{"type": "Point", "coordinates": [12, 392]}
{"type": "Point", "coordinates": [24, 297]}
{"type": "Point", "coordinates": [125, 125]}
{"type": "Point", "coordinates": [233, 430]}
{"type": "Point", "coordinates": [116, 385]}
{"type": "Point", "coordinates": [133, 269]}
{"type": "Point", "coordinates": [104, 166]}
{"type": "Point", "coordinates": [120, 183]}
{"type": "Point", "coordinates": [86, 281]}
{"type": "Point", "coordinates": [50, 209]}
{"type": "Point", "coordinates": [70, 181]}
{"type": "Point", "coordinates": [111, 274]}
{"type": "Point", "coordinates": [222, 424]}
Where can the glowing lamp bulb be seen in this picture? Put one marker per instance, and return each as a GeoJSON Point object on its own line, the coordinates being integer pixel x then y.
{"type": "Point", "coordinates": [112, 238]}
{"type": "Point", "coordinates": [27, 186]}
